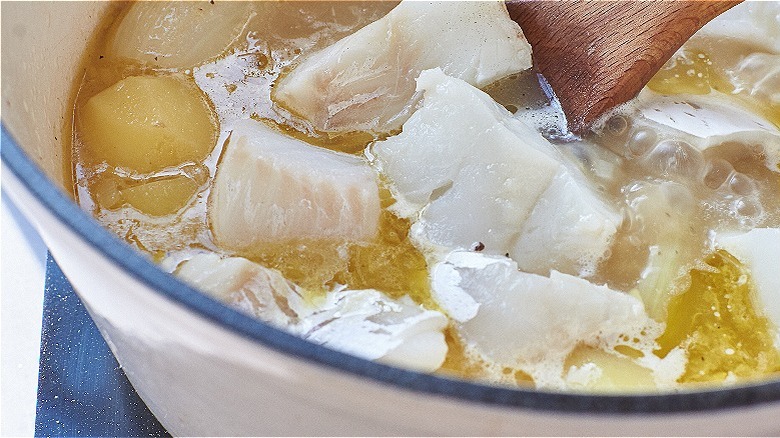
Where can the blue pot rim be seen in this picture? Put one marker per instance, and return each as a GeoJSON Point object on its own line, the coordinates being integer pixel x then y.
{"type": "Point", "coordinates": [142, 269]}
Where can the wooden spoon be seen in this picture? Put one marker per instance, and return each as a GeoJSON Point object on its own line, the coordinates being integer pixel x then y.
{"type": "Point", "coordinates": [597, 55]}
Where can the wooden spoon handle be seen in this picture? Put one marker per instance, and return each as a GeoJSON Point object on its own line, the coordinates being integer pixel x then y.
{"type": "Point", "coordinates": [597, 55]}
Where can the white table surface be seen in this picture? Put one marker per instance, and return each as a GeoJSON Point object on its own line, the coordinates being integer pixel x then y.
{"type": "Point", "coordinates": [22, 274]}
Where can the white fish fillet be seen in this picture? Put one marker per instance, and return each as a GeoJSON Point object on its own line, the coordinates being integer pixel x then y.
{"type": "Point", "coordinates": [531, 322]}
{"type": "Point", "coordinates": [368, 324]}
{"type": "Point", "coordinates": [480, 176]}
{"type": "Point", "coordinates": [254, 289]}
{"type": "Point", "coordinates": [365, 323]}
{"type": "Point", "coordinates": [271, 187]}
{"type": "Point", "coordinates": [568, 230]}
{"type": "Point", "coordinates": [366, 80]}
{"type": "Point", "coordinates": [759, 251]}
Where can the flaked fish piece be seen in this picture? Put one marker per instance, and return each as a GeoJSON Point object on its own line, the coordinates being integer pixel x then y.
{"type": "Point", "coordinates": [369, 324]}
{"type": "Point", "coordinates": [759, 251]}
{"type": "Point", "coordinates": [365, 81]}
{"type": "Point", "coordinates": [365, 323]}
{"type": "Point", "coordinates": [477, 177]}
{"type": "Point", "coordinates": [248, 286]}
{"type": "Point", "coordinates": [568, 230]}
{"type": "Point", "coordinates": [531, 322]}
{"type": "Point", "coordinates": [270, 187]}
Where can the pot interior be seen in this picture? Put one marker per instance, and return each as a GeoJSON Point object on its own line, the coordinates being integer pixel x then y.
{"type": "Point", "coordinates": [42, 48]}
{"type": "Point", "coordinates": [42, 54]}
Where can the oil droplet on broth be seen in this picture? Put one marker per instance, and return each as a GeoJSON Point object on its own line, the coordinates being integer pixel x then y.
{"type": "Point", "coordinates": [390, 263]}
{"type": "Point", "coordinates": [690, 72]}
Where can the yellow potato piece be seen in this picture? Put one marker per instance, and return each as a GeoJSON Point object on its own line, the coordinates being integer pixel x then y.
{"type": "Point", "coordinates": [179, 34]}
{"type": "Point", "coordinates": [161, 197]}
{"type": "Point", "coordinates": [148, 123]}
{"type": "Point", "coordinates": [616, 373]}
{"type": "Point", "coordinates": [158, 197]}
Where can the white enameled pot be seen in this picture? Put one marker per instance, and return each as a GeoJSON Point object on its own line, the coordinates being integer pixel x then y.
{"type": "Point", "coordinates": [205, 369]}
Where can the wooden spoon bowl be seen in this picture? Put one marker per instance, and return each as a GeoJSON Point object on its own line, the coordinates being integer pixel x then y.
{"type": "Point", "coordinates": [597, 55]}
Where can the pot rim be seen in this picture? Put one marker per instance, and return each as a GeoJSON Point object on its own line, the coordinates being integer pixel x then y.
{"type": "Point", "coordinates": [69, 214]}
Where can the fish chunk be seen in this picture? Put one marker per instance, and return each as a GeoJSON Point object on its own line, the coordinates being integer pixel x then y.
{"type": "Point", "coordinates": [365, 81]}
{"type": "Point", "coordinates": [759, 251]}
{"type": "Point", "coordinates": [270, 187]}
{"type": "Point", "coordinates": [371, 325]}
{"type": "Point", "coordinates": [254, 289]}
{"type": "Point", "coordinates": [477, 176]}
{"type": "Point", "coordinates": [552, 237]}
{"type": "Point", "coordinates": [365, 323]}
{"type": "Point", "coordinates": [531, 322]}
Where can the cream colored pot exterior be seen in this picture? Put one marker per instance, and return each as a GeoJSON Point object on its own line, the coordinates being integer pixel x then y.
{"type": "Point", "coordinates": [198, 375]}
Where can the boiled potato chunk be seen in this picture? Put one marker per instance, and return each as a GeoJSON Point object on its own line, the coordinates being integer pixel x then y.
{"type": "Point", "coordinates": [147, 123]}
{"type": "Point", "coordinates": [158, 197]}
{"type": "Point", "coordinates": [593, 369]}
{"type": "Point", "coordinates": [161, 197]}
{"type": "Point", "coordinates": [179, 34]}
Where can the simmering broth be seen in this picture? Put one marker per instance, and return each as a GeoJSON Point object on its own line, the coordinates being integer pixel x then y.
{"type": "Point", "coordinates": [158, 119]}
